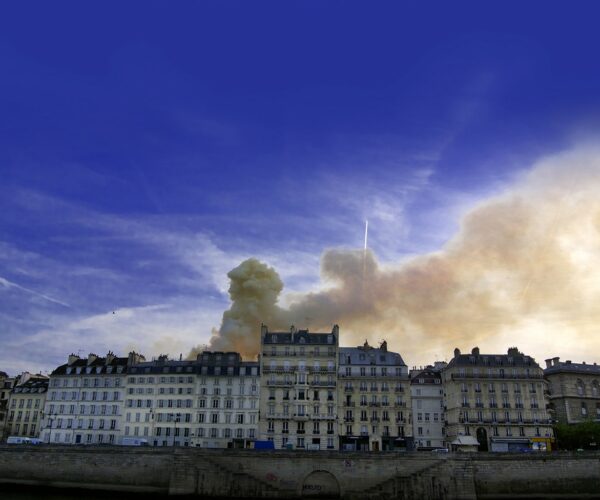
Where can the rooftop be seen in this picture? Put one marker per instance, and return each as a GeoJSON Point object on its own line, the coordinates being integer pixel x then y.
{"type": "Point", "coordinates": [513, 358]}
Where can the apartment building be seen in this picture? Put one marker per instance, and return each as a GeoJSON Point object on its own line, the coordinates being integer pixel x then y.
{"type": "Point", "coordinates": [210, 402]}
{"type": "Point", "coordinates": [373, 399]}
{"type": "Point", "coordinates": [85, 400]}
{"type": "Point", "coordinates": [497, 398]}
{"type": "Point", "coordinates": [6, 385]}
{"type": "Point", "coordinates": [427, 397]}
{"type": "Point", "coordinates": [573, 391]}
{"type": "Point", "coordinates": [26, 405]}
{"type": "Point", "coordinates": [298, 393]}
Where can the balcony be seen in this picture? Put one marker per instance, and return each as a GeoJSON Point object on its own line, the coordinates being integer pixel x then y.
{"type": "Point", "coordinates": [349, 388]}
{"type": "Point", "coordinates": [287, 383]}
{"type": "Point", "coordinates": [350, 404]}
{"type": "Point", "coordinates": [322, 383]}
{"type": "Point", "coordinates": [348, 419]}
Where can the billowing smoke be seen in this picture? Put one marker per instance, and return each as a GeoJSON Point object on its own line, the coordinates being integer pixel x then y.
{"type": "Point", "coordinates": [523, 269]}
{"type": "Point", "coordinates": [254, 290]}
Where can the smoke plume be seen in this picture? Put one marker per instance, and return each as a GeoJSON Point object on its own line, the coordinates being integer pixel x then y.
{"type": "Point", "coordinates": [523, 269]}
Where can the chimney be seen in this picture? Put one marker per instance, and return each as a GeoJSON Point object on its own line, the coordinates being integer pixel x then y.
{"type": "Point", "coordinates": [549, 363]}
{"type": "Point", "coordinates": [513, 351]}
{"type": "Point", "coordinates": [456, 352]}
{"type": "Point", "coordinates": [336, 330]}
{"type": "Point", "coordinates": [555, 361]}
{"type": "Point", "coordinates": [568, 361]}
{"type": "Point", "coordinates": [383, 346]}
{"type": "Point", "coordinates": [91, 358]}
{"type": "Point", "coordinates": [263, 331]}
{"type": "Point", "coordinates": [134, 358]}
{"type": "Point", "coordinates": [475, 351]}
{"type": "Point", "coordinates": [109, 357]}
{"type": "Point", "coordinates": [72, 359]}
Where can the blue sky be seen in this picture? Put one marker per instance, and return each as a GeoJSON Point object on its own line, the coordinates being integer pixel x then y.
{"type": "Point", "coordinates": [146, 148]}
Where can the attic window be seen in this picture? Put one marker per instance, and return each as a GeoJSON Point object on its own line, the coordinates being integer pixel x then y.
{"type": "Point", "coordinates": [330, 339]}
{"type": "Point", "coordinates": [68, 370]}
{"type": "Point", "coordinates": [274, 338]}
{"type": "Point", "coordinates": [302, 340]}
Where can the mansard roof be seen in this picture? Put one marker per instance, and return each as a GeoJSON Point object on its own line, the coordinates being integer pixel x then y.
{"type": "Point", "coordinates": [300, 337]}
{"type": "Point", "coordinates": [569, 367]}
{"type": "Point", "coordinates": [513, 358]}
{"type": "Point", "coordinates": [35, 384]}
{"type": "Point", "coordinates": [98, 365]}
{"type": "Point", "coordinates": [367, 355]}
{"type": "Point", "coordinates": [428, 375]}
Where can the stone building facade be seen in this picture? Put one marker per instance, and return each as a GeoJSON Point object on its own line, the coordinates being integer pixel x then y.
{"type": "Point", "coordinates": [573, 391]}
{"type": "Point", "coordinates": [427, 396]}
{"type": "Point", "coordinates": [26, 406]}
{"type": "Point", "coordinates": [210, 402]}
{"type": "Point", "coordinates": [85, 402]}
{"type": "Point", "coordinates": [6, 384]}
{"type": "Point", "coordinates": [373, 399]}
{"type": "Point", "coordinates": [498, 398]}
{"type": "Point", "coordinates": [298, 388]}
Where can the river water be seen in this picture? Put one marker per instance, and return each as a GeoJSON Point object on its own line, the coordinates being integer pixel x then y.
{"type": "Point", "coordinates": [29, 493]}
{"type": "Point", "coordinates": [36, 493]}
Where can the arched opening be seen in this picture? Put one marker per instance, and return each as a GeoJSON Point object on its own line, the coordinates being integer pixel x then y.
{"type": "Point", "coordinates": [320, 484]}
{"type": "Point", "coordinates": [482, 439]}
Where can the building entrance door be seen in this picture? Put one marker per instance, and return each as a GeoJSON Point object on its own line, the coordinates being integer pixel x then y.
{"type": "Point", "coordinates": [482, 439]}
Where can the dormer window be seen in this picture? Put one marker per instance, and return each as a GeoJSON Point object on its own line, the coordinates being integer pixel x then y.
{"type": "Point", "coordinates": [68, 370]}
{"type": "Point", "coordinates": [274, 338]}
{"type": "Point", "coordinates": [330, 339]}
{"type": "Point", "coordinates": [302, 340]}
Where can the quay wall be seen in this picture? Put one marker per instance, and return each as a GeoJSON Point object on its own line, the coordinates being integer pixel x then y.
{"type": "Point", "coordinates": [295, 475]}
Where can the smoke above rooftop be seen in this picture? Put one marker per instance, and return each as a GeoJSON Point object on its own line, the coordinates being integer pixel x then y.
{"type": "Point", "coordinates": [524, 269]}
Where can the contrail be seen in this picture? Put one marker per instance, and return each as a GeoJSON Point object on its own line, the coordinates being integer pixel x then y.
{"type": "Point", "coordinates": [10, 284]}
{"type": "Point", "coordinates": [365, 250]}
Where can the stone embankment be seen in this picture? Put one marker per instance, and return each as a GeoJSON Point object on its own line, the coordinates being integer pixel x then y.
{"type": "Point", "coordinates": [289, 475]}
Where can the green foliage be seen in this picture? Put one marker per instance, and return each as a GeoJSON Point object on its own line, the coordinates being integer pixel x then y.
{"type": "Point", "coordinates": [578, 436]}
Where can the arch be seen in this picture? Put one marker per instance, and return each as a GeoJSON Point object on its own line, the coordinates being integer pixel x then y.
{"type": "Point", "coordinates": [595, 389]}
{"type": "Point", "coordinates": [320, 484]}
{"type": "Point", "coordinates": [482, 439]}
{"type": "Point", "coordinates": [580, 386]}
